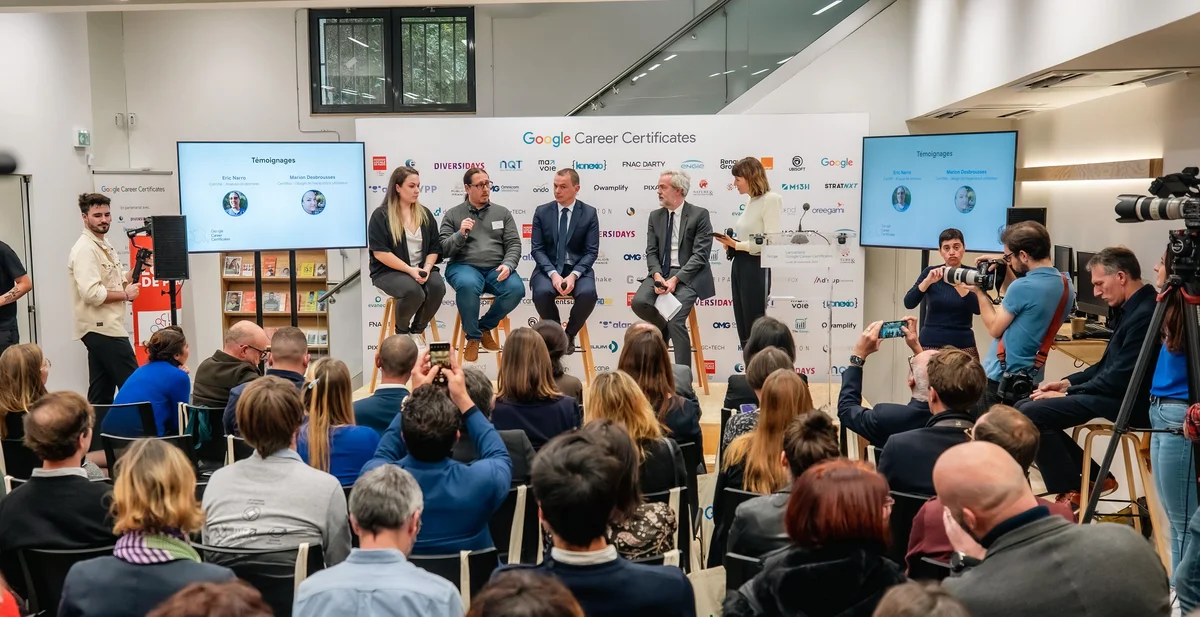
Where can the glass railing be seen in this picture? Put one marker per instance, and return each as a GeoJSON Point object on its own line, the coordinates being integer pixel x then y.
{"type": "Point", "coordinates": [717, 57]}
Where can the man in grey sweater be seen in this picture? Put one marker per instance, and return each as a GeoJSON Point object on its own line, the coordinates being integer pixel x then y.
{"type": "Point", "coordinates": [1033, 564]}
{"type": "Point", "coordinates": [481, 246]}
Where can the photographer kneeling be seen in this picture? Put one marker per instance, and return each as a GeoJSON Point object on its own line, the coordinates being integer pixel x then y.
{"type": "Point", "coordinates": [1097, 390]}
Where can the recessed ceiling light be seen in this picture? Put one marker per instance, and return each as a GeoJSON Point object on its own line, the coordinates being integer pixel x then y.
{"type": "Point", "coordinates": [714, 74]}
{"type": "Point", "coordinates": [653, 67]}
{"type": "Point", "coordinates": [784, 60]}
{"type": "Point", "coordinates": [669, 57]}
{"type": "Point", "coordinates": [828, 6]}
{"type": "Point", "coordinates": [760, 71]}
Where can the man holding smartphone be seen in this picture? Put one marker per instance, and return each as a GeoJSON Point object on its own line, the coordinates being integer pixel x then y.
{"type": "Point", "coordinates": [877, 424]}
{"type": "Point", "coordinates": [565, 243]}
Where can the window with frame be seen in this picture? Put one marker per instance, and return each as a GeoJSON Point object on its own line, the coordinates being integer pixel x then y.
{"type": "Point", "coordinates": [404, 60]}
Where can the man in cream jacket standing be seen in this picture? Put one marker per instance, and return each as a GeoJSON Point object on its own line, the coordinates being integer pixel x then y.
{"type": "Point", "coordinates": [99, 291]}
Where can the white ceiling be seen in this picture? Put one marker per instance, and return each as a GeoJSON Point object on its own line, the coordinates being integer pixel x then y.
{"type": "Point", "coordinates": [136, 5]}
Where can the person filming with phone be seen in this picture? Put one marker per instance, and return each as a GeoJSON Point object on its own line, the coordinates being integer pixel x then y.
{"type": "Point", "coordinates": [948, 308]}
{"type": "Point", "coordinates": [876, 424]}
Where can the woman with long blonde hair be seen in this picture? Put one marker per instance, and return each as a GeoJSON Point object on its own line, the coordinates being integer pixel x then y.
{"type": "Point", "coordinates": [528, 398]}
{"type": "Point", "coordinates": [616, 396]}
{"type": "Point", "coordinates": [329, 439]}
{"type": "Point", "coordinates": [154, 509]}
{"type": "Point", "coordinates": [23, 374]}
{"type": "Point", "coordinates": [404, 245]}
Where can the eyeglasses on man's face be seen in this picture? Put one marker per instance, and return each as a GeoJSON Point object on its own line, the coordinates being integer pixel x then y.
{"type": "Point", "coordinates": [482, 185]}
{"type": "Point", "coordinates": [262, 353]}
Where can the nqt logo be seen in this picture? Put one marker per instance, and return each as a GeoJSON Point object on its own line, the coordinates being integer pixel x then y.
{"type": "Point", "coordinates": [839, 209]}
{"type": "Point", "coordinates": [543, 188]}
{"type": "Point", "coordinates": [594, 165]}
{"type": "Point", "coordinates": [644, 164]}
{"type": "Point", "coordinates": [633, 257]}
{"type": "Point", "coordinates": [851, 303]}
{"type": "Point", "coordinates": [796, 187]}
{"type": "Point", "coordinates": [510, 165]}
{"type": "Point", "coordinates": [841, 185]}
{"type": "Point", "coordinates": [546, 165]}
{"type": "Point", "coordinates": [613, 233]}
{"type": "Point", "coordinates": [797, 164]}
{"type": "Point", "coordinates": [692, 164]}
{"type": "Point", "coordinates": [843, 163]}
{"type": "Point", "coordinates": [457, 165]}
{"type": "Point", "coordinates": [553, 140]}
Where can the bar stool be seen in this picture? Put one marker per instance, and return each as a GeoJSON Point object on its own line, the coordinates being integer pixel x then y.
{"type": "Point", "coordinates": [697, 350]}
{"type": "Point", "coordinates": [387, 326]}
{"type": "Point", "coordinates": [459, 336]}
{"type": "Point", "coordinates": [1129, 447]}
{"type": "Point", "coordinates": [585, 341]}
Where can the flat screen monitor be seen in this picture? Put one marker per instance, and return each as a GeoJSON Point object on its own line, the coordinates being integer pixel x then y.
{"type": "Point", "coordinates": [258, 196]}
{"type": "Point", "coordinates": [915, 186]}
{"type": "Point", "coordinates": [1064, 258]}
{"type": "Point", "coordinates": [1085, 295]}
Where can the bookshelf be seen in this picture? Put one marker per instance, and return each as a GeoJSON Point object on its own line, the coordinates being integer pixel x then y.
{"type": "Point", "coordinates": [239, 300]}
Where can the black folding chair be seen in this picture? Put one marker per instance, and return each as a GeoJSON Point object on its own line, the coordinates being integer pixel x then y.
{"type": "Point", "coordinates": [238, 448]}
{"type": "Point", "coordinates": [726, 414]}
{"type": "Point", "coordinates": [730, 498]}
{"type": "Point", "coordinates": [275, 573]}
{"type": "Point", "coordinates": [19, 461]}
{"type": "Point", "coordinates": [144, 410]}
{"type": "Point", "coordinates": [903, 512]}
{"type": "Point", "coordinates": [200, 488]}
{"type": "Point", "coordinates": [114, 447]}
{"type": "Point", "coordinates": [739, 569]}
{"type": "Point", "coordinates": [506, 520]}
{"type": "Point", "coordinates": [693, 461]}
{"type": "Point", "coordinates": [45, 571]}
{"type": "Point", "coordinates": [207, 428]}
{"type": "Point", "coordinates": [480, 565]}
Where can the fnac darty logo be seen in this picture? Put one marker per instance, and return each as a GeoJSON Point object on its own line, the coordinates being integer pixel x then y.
{"type": "Point", "coordinates": [457, 165]}
{"type": "Point", "coordinates": [843, 163]}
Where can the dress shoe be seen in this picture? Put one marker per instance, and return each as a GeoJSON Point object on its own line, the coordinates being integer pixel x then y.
{"type": "Point", "coordinates": [489, 343]}
{"type": "Point", "coordinates": [1107, 487]}
{"type": "Point", "coordinates": [570, 345]}
{"type": "Point", "coordinates": [471, 353]}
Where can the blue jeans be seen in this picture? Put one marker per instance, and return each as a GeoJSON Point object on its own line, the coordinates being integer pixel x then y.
{"type": "Point", "coordinates": [469, 282]}
{"type": "Point", "coordinates": [1174, 474]}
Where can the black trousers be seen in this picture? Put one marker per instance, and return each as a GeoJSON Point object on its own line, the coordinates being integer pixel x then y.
{"type": "Point", "coordinates": [1059, 458]}
{"type": "Point", "coordinates": [8, 338]}
{"type": "Point", "coordinates": [545, 300]}
{"type": "Point", "coordinates": [750, 283]}
{"type": "Point", "coordinates": [110, 363]}
{"type": "Point", "coordinates": [416, 304]}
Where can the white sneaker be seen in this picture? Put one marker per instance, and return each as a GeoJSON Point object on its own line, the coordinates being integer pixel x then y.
{"type": "Point", "coordinates": [419, 339]}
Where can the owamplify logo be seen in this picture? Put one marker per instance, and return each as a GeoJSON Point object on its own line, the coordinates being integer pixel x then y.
{"type": "Point", "coordinates": [844, 325]}
{"type": "Point", "coordinates": [590, 165]}
{"type": "Point", "coordinates": [843, 163]}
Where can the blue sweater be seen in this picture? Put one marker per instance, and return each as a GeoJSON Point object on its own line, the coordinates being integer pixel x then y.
{"type": "Point", "coordinates": [378, 410]}
{"type": "Point", "coordinates": [620, 588]}
{"type": "Point", "coordinates": [459, 499]}
{"type": "Point", "coordinates": [1170, 376]}
{"type": "Point", "coordinates": [541, 421]}
{"type": "Point", "coordinates": [161, 383]}
{"type": "Point", "coordinates": [350, 447]}
{"type": "Point", "coordinates": [947, 315]}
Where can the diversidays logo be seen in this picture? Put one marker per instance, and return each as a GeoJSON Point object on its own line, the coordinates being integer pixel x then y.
{"type": "Point", "coordinates": [796, 187]}
{"type": "Point", "coordinates": [801, 325]}
{"type": "Point", "coordinates": [546, 165]}
{"type": "Point", "coordinates": [843, 163]}
{"type": "Point", "coordinates": [692, 164]}
{"type": "Point", "coordinates": [842, 325]}
{"type": "Point", "coordinates": [593, 165]}
{"type": "Point", "coordinates": [714, 302]}
{"type": "Point", "coordinates": [618, 233]}
{"type": "Point", "coordinates": [619, 325]}
{"type": "Point", "coordinates": [457, 165]}
{"type": "Point", "coordinates": [542, 188]}
{"type": "Point", "coordinates": [797, 163]}
{"type": "Point", "coordinates": [510, 165]}
{"type": "Point", "coordinates": [838, 209]}
{"type": "Point", "coordinates": [621, 188]}
{"type": "Point", "coordinates": [841, 185]}
{"type": "Point", "coordinates": [806, 370]}
{"type": "Point", "coordinates": [850, 303]}
{"type": "Point", "coordinates": [644, 164]}
{"type": "Point", "coordinates": [703, 189]}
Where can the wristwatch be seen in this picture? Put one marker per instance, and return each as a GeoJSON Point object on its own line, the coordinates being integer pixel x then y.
{"type": "Point", "coordinates": [960, 561]}
{"type": "Point", "coordinates": [857, 361]}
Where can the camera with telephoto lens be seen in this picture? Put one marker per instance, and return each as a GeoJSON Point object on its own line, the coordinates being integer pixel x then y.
{"type": "Point", "coordinates": [989, 275]}
{"type": "Point", "coordinates": [1014, 387]}
{"type": "Point", "coordinates": [1176, 198]}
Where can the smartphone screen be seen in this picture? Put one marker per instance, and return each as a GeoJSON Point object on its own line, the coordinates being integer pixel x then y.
{"type": "Point", "coordinates": [891, 329]}
{"type": "Point", "coordinates": [439, 355]}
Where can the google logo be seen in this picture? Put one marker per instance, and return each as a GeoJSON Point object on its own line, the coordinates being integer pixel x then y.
{"type": "Point", "coordinates": [844, 163]}
{"type": "Point", "coordinates": [555, 140]}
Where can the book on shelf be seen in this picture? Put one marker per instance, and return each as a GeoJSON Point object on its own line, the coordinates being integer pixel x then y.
{"type": "Point", "coordinates": [247, 269]}
{"type": "Point", "coordinates": [285, 271]}
{"type": "Point", "coordinates": [308, 268]}
{"type": "Point", "coordinates": [233, 301]}
{"type": "Point", "coordinates": [321, 269]}
{"type": "Point", "coordinates": [249, 301]}
{"type": "Point", "coordinates": [233, 265]}
{"type": "Point", "coordinates": [275, 302]}
{"type": "Point", "coordinates": [269, 265]}
{"type": "Point", "coordinates": [317, 336]}
{"type": "Point", "coordinates": [306, 302]}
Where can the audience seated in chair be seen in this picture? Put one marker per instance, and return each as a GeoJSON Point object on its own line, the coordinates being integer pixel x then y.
{"type": "Point", "coordinates": [528, 398]}
{"type": "Point", "coordinates": [645, 358]}
{"type": "Point", "coordinates": [681, 372]}
{"type": "Point", "coordinates": [764, 363]}
{"type": "Point", "coordinates": [877, 424]}
{"type": "Point", "coordinates": [244, 347]}
{"type": "Point", "coordinates": [288, 358]}
{"type": "Point", "coordinates": [329, 439]}
{"type": "Point", "coordinates": [956, 383]}
{"type": "Point", "coordinates": [1029, 560]}
{"type": "Point", "coordinates": [377, 580]}
{"type": "Point", "coordinates": [233, 599]}
{"type": "Point", "coordinates": [58, 508]}
{"type": "Point", "coordinates": [163, 382]}
{"type": "Point", "coordinates": [751, 462]}
{"type": "Point", "coordinates": [394, 359]}
{"type": "Point", "coordinates": [758, 525]}
{"type": "Point", "coordinates": [154, 510]}
{"type": "Point", "coordinates": [615, 396]}
{"type": "Point", "coordinates": [520, 450]}
{"type": "Point", "coordinates": [525, 593]}
{"type": "Point", "coordinates": [555, 337]}
{"type": "Point", "coordinates": [273, 499]}
{"type": "Point", "coordinates": [836, 566]}
{"type": "Point", "coordinates": [765, 332]}
{"type": "Point", "coordinates": [459, 499]}
{"type": "Point", "coordinates": [1007, 428]}
{"type": "Point", "coordinates": [23, 374]}
{"type": "Point", "coordinates": [577, 482]}
{"type": "Point", "coordinates": [914, 599]}
{"type": "Point", "coordinates": [1096, 391]}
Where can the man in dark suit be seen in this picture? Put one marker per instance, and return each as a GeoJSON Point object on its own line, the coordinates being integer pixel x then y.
{"type": "Point", "coordinates": [956, 382]}
{"type": "Point", "coordinates": [565, 242]}
{"type": "Point", "coordinates": [877, 424]}
{"type": "Point", "coordinates": [395, 359]}
{"type": "Point", "coordinates": [678, 241]}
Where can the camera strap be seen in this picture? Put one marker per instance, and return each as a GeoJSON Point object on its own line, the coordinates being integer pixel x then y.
{"type": "Point", "coordinates": [1039, 359]}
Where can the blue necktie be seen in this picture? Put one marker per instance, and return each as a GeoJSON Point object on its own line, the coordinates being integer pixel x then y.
{"type": "Point", "coordinates": [562, 238]}
{"type": "Point", "coordinates": [667, 253]}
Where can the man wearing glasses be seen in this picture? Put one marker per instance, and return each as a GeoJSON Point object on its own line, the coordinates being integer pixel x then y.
{"type": "Point", "coordinates": [245, 347]}
{"type": "Point", "coordinates": [482, 246]}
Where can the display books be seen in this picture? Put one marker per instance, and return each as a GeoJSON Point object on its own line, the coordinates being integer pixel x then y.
{"type": "Point", "coordinates": [249, 302]}
{"type": "Point", "coordinates": [321, 269]}
{"type": "Point", "coordinates": [233, 265]}
{"type": "Point", "coordinates": [317, 337]}
{"type": "Point", "coordinates": [247, 269]}
{"type": "Point", "coordinates": [285, 271]}
{"type": "Point", "coordinates": [275, 302]}
{"type": "Point", "coordinates": [233, 301]}
{"type": "Point", "coordinates": [306, 302]}
{"type": "Point", "coordinates": [308, 268]}
{"type": "Point", "coordinates": [269, 265]}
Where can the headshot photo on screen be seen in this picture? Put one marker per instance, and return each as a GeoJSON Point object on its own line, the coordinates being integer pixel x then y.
{"type": "Point", "coordinates": [901, 198]}
{"type": "Point", "coordinates": [235, 203]}
{"type": "Point", "coordinates": [964, 199]}
{"type": "Point", "coordinates": [313, 202]}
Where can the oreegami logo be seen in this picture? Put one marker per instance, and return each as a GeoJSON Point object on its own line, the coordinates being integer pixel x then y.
{"type": "Point", "coordinates": [839, 209]}
{"type": "Point", "coordinates": [593, 165]}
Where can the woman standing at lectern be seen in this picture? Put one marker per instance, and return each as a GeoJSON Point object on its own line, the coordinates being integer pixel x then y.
{"type": "Point", "coordinates": [750, 282]}
{"type": "Point", "coordinates": [403, 239]}
{"type": "Point", "coordinates": [949, 309]}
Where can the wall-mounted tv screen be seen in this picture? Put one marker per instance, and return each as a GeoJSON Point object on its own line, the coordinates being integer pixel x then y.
{"type": "Point", "coordinates": [258, 196]}
{"type": "Point", "coordinates": [915, 186]}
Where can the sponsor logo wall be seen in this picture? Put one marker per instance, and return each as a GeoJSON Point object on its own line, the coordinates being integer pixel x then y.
{"type": "Point", "coordinates": [812, 159]}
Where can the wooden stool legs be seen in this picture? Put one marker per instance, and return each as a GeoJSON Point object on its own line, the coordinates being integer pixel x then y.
{"type": "Point", "coordinates": [458, 338]}
{"type": "Point", "coordinates": [389, 320]}
{"type": "Point", "coordinates": [1129, 444]}
{"type": "Point", "coordinates": [698, 350]}
{"type": "Point", "coordinates": [589, 365]}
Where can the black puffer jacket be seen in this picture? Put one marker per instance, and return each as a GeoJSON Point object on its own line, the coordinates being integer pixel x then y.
{"type": "Point", "coordinates": [842, 581]}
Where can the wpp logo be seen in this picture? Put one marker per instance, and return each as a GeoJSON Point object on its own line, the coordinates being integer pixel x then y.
{"type": "Point", "coordinates": [851, 303]}
{"type": "Point", "coordinates": [722, 325]}
{"type": "Point", "coordinates": [633, 257]}
{"type": "Point", "coordinates": [619, 325]}
{"type": "Point", "coordinates": [429, 188]}
{"type": "Point", "coordinates": [510, 165]}
{"type": "Point", "coordinates": [592, 165]}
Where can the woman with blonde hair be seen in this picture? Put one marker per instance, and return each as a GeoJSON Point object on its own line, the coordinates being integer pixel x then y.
{"type": "Point", "coordinates": [402, 237]}
{"type": "Point", "coordinates": [154, 510]}
{"type": "Point", "coordinates": [23, 374]}
{"type": "Point", "coordinates": [528, 398]}
{"type": "Point", "coordinates": [616, 396]}
{"type": "Point", "coordinates": [329, 439]}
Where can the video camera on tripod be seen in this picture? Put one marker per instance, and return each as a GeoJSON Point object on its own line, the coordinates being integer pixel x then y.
{"type": "Point", "coordinates": [144, 255]}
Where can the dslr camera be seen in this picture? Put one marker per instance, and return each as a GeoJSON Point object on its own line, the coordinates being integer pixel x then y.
{"type": "Point", "coordinates": [1014, 387]}
{"type": "Point", "coordinates": [989, 275]}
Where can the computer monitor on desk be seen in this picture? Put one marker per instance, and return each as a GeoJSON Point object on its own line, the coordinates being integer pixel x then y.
{"type": "Point", "coordinates": [1085, 295]}
{"type": "Point", "coordinates": [1064, 259]}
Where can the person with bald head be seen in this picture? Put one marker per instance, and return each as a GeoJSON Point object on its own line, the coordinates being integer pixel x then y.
{"type": "Point", "coordinates": [287, 358]}
{"type": "Point", "coordinates": [245, 347]}
{"type": "Point", "coordinates": [683, 372]}
{"type": "Point", "coordinates": [1034, 564]}
{"type": "Point", "coordinates": [395, 360]}
{"type": "Point", "coordinates": [877, 424]}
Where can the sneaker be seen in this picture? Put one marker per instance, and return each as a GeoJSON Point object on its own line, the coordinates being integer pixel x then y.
{"type": "Point", "coordinates": [471, 353]}
{"type": "Point", "coordinates": [489, 343]}
{"type": "Point", "coordinates": [570, 345]}
{"type": "Point", "coordinates": [419, 339]}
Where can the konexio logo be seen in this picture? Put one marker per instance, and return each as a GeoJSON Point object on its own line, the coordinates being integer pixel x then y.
{"type": "Point", "coordinates": [592, 165]}
{"type": "Point", "coordinates": [843, 163]}
{"type": "Point", "coordinates": [850, 303]}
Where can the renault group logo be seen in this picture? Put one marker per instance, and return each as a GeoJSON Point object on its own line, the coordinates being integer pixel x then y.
{"type": "Point", "coordinates": [797, 163]}
{"type": "Point", "coordinates": [843, 163]}
{"type": "Point", "coordinates": [692, 164]}
{"type": "Point", "coordinates": [457, 165]}
{"type": "Point", "coordinates": [592, 165]}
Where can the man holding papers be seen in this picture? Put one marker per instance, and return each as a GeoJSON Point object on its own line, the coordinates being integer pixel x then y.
{"type": "Point", "coordinates": [678, 241]}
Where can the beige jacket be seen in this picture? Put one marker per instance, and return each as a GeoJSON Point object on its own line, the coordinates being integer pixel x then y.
{"type": "Point", "coordinates": [95, 270]}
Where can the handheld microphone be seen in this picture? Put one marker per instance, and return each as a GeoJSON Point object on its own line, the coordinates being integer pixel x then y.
{"type": "Point", "coordinates": [800, 225]}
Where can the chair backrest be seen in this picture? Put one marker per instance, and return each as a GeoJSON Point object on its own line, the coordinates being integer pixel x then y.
{"type": "Point", "coordinates": [19, 461]}
{"type": "Point", "coordinates": [201, 486]}
{"type": "Point", "coordinates": [238, 448]}
{"type": "Point", "coordinates": [515, 529]}
{"type": "Point", "coordinates": [207, 428]}
{"type": "Point", "coordinates": [473, 568]}
{"type": "Point", "coordinates": [693, 461]}
{"type": "Point", "coordinates": [145, 412]}
{"type": "Point", "coordinates": [275, 573]}
{"type": "Point", "coordinates": [903, 511]}
{"type": "Point", "coordinates": [114, 447]}
{"type": "Point", "coordinates": [46, 570]}
{"type": "Point", "coordinates": [676, 498]}
{"type": "Point", "coordinates": [726, 414]}
{"type": "Point", "coordinates": [739, 569]}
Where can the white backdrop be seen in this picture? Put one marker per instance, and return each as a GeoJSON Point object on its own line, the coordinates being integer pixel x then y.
{"type": "Point", "coordinates": [810, 159]}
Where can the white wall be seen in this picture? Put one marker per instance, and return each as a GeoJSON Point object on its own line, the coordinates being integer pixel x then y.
{"type": "Point", "coordinates": [45, 64]}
